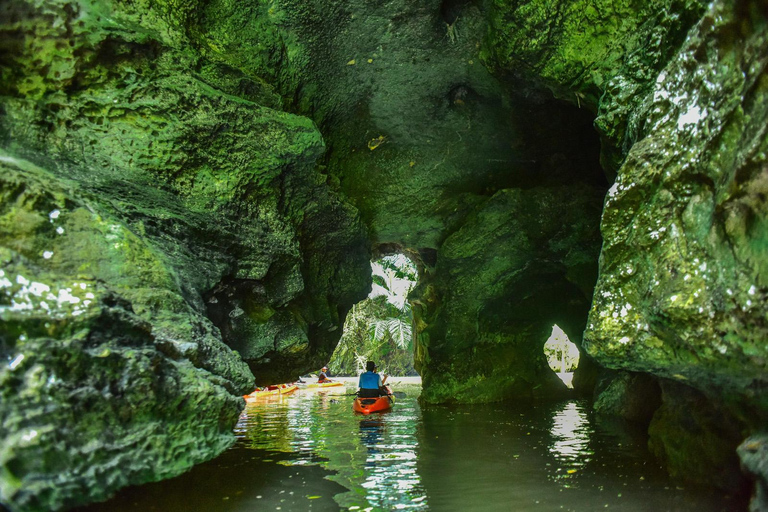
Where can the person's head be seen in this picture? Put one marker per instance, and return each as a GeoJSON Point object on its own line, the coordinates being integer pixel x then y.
{"type": "Point", "coordinates": [370, 366]}
{"type": "Point", "coordinates": [324, 369]}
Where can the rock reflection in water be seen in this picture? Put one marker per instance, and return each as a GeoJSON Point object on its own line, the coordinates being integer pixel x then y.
{"type": "Point", "coordinates": [310, 451]}
{"type": "Point", "coordinates": [373, 456]}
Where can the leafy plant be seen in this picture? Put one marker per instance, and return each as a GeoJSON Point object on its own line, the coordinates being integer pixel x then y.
{"type": "Point", "coordinates": [562, 355]}
{"type": "Point", "coordinates": [380, 327]}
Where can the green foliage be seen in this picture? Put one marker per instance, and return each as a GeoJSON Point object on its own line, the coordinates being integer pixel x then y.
{"type": "Point", "coordinates": [562, 355]}
{"type": "Point", "coordinates": [380, 327]}
{"type": "Point", "coordinates": [381, 281]}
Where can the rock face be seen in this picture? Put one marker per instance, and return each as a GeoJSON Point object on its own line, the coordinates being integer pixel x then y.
{"type": "Point", "coordinates": [754, 460]}
{"type": "Point", "coordinates": [603, 54]}
{"type": "Point", "coordinates": [682, 290]}
{"type": "Point", "coordinates": [166, 244]}
{"type": "Point", "coordinates": [102, 386]}
{"type": "Point", "coordinates": [524, 262]}
{"type": "Point", "coordinates": [449, 163]}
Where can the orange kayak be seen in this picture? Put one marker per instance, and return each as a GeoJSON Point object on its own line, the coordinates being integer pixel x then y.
{"type": "Point", "coordinates": [369, 405]}
{"type": "Point", "coordinates": [280, 389]}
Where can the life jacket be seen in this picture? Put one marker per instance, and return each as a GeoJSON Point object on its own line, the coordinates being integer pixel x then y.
{"type": "Point", "coordinates": [369, 380]}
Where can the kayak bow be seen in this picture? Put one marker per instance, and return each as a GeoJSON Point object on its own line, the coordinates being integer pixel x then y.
{"type": "Point", "coordinates": [324, 384]}
{"type": "Point", "coordinates": [369, 405]}
{"type": "Point", "coordinates": [280, 389]}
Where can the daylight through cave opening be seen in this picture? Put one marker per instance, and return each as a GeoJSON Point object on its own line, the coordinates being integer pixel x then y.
{"type": "Point", "coordinates": [562, 355]}
{"type": "Point", "coordinates": [379, 328]}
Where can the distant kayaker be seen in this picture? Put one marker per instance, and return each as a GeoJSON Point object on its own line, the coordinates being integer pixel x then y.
{"type": "Point", "coordinates": [323, 377]}
{"type": "Point", "coordinates": [371, 384]}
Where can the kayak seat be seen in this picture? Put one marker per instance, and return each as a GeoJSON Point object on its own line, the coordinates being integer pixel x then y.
{"type": "Point", "coordinates": [371, 393]}
{"type": "Point", "coordinates": [368, 401]}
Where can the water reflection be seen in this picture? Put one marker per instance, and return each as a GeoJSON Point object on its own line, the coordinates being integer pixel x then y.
{"type": "Point", "coordinates": [309, 451]}
{"type": "Point", "coordinates": [570, 435]}
{"type": "Point", "coordinates": [373, 456]}
{"type": "Point", "coordinates": [370, 434]}
{"type": "Point", "coordinates": [390, 467]}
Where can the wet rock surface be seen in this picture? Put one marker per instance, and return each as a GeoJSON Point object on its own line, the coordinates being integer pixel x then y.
{"type": "Point", "coordinates": [140, 179]}
{"type": "Point", "coordinates": [681, 293]}
{"type": "Point", "coordinates": [604, 55]}
{"type": "Point", "coordinates": [111, 377]}
{"type": "Point", "coordinates": [523, 262]}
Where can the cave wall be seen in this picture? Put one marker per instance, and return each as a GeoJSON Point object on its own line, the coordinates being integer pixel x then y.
{"type": "Point", "coordinates": [600, 53]}
{"type": "Point", "coordinates": [167, 241]}
{"type": "Point", "coordinates": [207, 162]}
{"type": "Point", "coordinates": [523, 262]}
{"type": "Point", "coordinates": [682, 291]}
{"type": "Point", "coordinates": [446, 161]}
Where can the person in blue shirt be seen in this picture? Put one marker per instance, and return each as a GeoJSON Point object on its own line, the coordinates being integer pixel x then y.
{"type": "Point", "coordinates": [371, 384]}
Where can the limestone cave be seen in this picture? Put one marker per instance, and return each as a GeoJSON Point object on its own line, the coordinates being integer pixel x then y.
{"type": "Point", "coordinates": [191, 193]}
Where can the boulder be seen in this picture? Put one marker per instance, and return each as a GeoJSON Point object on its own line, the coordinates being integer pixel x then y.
{"type": "Point", "coordinates": [167, 241]}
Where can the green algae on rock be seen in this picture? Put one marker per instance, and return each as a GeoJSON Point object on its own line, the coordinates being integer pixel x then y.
{"type": "Point", "coordinates": [696, 439]}
{"type": "Point", "coordinates": [682, 287]}
{"type": "Point", "coordinates": [753, 453]}
{"type": "Point", "coordinates": [167, 177]}
{"type": "Point", "coordinates": [93, 386]}
{"type": "Point", "coordinates": [604, 55]}
{"type": "Point", "coordinates": [631, 396]}
{"type": "Point", "coordinates": [520, 264]}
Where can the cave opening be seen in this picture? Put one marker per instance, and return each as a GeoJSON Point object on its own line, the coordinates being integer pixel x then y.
{"type": "Point", "coordinates": [562, 355]}
{"type": "Point", "coordinates": [379, 328]}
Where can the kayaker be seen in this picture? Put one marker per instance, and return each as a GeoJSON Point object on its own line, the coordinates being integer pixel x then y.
{"type": "Point", "coordinates": [371, 384]}
{"type": "Point", "coordinates": [323, 377]}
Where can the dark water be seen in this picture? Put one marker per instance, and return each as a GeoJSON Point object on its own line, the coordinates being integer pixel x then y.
{"type": "Point", "coordinates": [309, 451]}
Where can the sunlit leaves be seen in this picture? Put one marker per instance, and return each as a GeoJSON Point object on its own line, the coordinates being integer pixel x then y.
{"type": "Point", "coordinates": [380, 327]}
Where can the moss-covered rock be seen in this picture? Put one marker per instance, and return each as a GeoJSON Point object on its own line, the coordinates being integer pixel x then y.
{"type": "Point", "coordinates": [112, 377]}
{"type": "Point", "coordinates": [682, 290]}
{"type": "Point", "coordinates": [167, 243]}
{"type": "Point", "coordinates": [695, 440]}
{"type": "Point", "coordinates": [634, 397]}
{"type": "Point", "coordinates": [602, 54]}
{"type": "Point", "coordinates": [578, 47]}
{"type": "Point", "coordinates": [753, 453]}
{"type": "Point", "coordinates": [421, 136]}
{"type": "Point", "coordinates": [523, 262]}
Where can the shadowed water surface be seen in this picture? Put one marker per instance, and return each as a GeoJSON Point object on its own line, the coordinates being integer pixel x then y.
{"type": "Point", "coordinates": [309, 451]}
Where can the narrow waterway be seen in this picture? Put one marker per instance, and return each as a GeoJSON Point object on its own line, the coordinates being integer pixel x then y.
{"type": "Point", "coordinates": [309, 451]}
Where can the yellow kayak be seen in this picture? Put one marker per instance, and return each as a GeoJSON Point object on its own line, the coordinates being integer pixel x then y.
{"type": "Point", "coordinates": [280, 389]}
{"type": "Point", "coordinates": [325, 384]}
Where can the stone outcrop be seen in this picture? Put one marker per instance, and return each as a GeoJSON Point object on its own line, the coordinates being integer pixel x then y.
{"type": "Point", "coordinates": [602, 54]}
{"type": "Point", "coordinates": [111, 376]}
{"type": "Point", "coordinates": [696, 439]}
{"type": "Point", "coordinates": [523, 262]}
{"type": "Point", "coordinates": [753, 453]}
{"type": "Point", "coordinates": [442, 158]}
{"type": "Point", "coordinates": [682, 290]}
{"type": "Point", "coordinates": [634, 397]}
{"type": "Point", "coordinates": [167, 243]}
